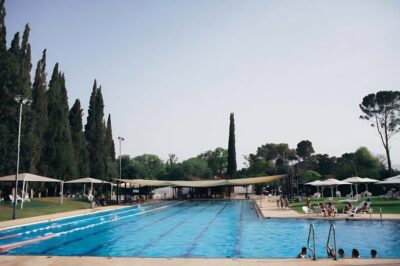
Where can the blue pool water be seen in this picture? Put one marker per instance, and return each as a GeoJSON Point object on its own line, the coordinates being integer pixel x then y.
{"type": "Point", "coordinates": [208, 229]}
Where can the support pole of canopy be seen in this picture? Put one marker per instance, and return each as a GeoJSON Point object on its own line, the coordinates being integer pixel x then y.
{"type": "Point", "coordinates": [22, 194]}
{"type": "Point", "coordinates": [91, 188]}
{"type": "Point", "coordinates": [62, 192]}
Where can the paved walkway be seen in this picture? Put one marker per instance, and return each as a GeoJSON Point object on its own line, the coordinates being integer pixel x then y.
{"type": "Point", "coordinates": [100, 261]}
{"type": "Point", "coordinates": [269, 210]}
{"type": "Point", "coordinates": [54, 216]}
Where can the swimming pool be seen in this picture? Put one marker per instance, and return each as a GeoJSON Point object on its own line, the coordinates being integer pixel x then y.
{"type": "Point", "coordinates": [204, 229]}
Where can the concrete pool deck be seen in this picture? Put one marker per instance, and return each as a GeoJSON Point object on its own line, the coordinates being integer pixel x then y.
{"type": "Point", "coordinates": [99, 261]}
{"type": "Point", "coordinates": [268, 209]}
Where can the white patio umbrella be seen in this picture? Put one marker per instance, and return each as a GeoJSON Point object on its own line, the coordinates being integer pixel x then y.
{"type": "Point", "coordinates": [317, 184]}
{"type": "Point", "coordinates": [333, 182]}
{"type": "Point", "coordinates": [369, 180]}
{"type": "Point", "coordinates": [395, 180]}
{"type": "Point", "coordinates": [356, 180]}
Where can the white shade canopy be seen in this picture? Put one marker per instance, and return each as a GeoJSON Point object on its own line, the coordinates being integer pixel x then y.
{"type": "Point", "coordinates": [87, 180]}
{"type": "Point", "coordinates": [316, 183]}
{"type": "Point", "coordinates": [29, 178]}
{"type": "Point", "coordinates": [390, 180]}
{"type": "Point", "coordinates": [354, 180]}
{"type": "Point", "coordinates": [359, 180]}
{"type": "Point", "coordinates": [203, 183]}
{"type": "Point", "coordinates": [334, 182]}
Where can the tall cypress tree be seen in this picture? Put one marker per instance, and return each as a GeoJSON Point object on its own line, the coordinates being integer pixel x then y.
{"type": "Point", "coordinates": [3, 33]}
{"type": "Point", "coordinates": [14, 80]}
{"type": "Point", "coordinates": [78, 139]}
{"type": "Point", "coordinates": [231, 169]}
{"type": "Point", "coordinates": [94, 133]}
{"type": "Point", "coordinates": [59, 161]}
{"type": "Point", "coordinates": [39, 114]}
{"type": "Point", "coordinates": [111, 170]}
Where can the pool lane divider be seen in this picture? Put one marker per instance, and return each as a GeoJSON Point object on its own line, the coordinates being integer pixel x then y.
{"type": "Point", "coordinates": [8, 247]}
{"type": "Point", "coordinates": [55, 225]}
{"type": "Point", "coordinates": [118, 237]}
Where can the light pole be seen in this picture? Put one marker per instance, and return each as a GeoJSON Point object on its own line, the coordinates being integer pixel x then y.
{"type": "Point", "coordinates": [21, 102]}
{"type": "Point", "coordinates": [120, 168]}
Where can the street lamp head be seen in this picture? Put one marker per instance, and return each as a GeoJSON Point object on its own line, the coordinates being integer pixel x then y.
{"type": "Point", "coordinates": [26, 101]}
{"type": "Point", "coordinates": [19, 99]}
{"type": "Point", "coordinates": [121, 138]}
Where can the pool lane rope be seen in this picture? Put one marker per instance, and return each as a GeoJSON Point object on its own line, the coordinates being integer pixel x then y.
{"type": "Point", "coordinates": [56, 225]}
{"type": "Point", "coordinates": [114, 218]}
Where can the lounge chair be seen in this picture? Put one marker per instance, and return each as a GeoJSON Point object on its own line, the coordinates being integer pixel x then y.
{"type": "Point", "coordinates": [316, 195]}
{"type": "Point", "coordinates": [359, 208]}
{"type": "Point", "coordinates": [12, 198]}
{"type": "Point", "coordinates": [307, 210]}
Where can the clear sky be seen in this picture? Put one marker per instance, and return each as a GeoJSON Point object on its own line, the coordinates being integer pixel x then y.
{"type": "Point", "coordinates": [172, 71]}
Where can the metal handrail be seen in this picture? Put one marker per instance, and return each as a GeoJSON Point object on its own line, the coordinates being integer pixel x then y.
{"type": "Point", "coordinates": [332, 253]}
{"type": "Point", "coordinates": [311, 230]}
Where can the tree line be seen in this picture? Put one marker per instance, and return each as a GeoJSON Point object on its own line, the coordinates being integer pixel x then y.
{"type": "Point", "coordinates": [53, 142]}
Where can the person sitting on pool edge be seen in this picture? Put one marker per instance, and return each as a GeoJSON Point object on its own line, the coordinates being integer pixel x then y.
{"type": "Point", "coordinates": [330, 252]}
{"type": "Point", "coordinates": [341, 253]}
{"type": "Point", "coordinates": [303, 253]}
{"type": "Point", "coordinates": [373, 253]}
{"type": "Point", "coordinates": [355, 254]}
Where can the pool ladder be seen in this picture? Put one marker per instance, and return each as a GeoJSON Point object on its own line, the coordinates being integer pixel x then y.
{"type": "Point", "coordinates": [331, 252]}
{"type": "Point", "coordinates": [311, 233]}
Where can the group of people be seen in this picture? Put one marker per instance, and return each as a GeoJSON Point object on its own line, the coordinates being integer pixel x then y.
{"type": "Point", "coordinates": [355, 254]}
{"type": "Point", "coordinates": [328, 209]}
{"type": "Point", "coordinates": [282, 202]}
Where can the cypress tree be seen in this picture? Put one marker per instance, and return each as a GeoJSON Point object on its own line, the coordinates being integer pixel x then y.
{"type": "Point", "coordinates": [3, 32]}
{"type": "Point", "coordinates": [59, 161]}
{"type": "Point", "coordinates": [39, 113]}
{"type": "Point", "coordinates": [231, 169]}
{"type": "Point", "coordinates": [94, 133]}
{"type": "Point", "coordinates": [111, 170]}
{"type": "Point", "coordinates": [78, 139]}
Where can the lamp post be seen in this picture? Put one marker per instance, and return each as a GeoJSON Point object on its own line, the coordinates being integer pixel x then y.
{"type": "Point", "coordinates": [120, 168]}
{"type": "Point", "coordinates": [21, 102]}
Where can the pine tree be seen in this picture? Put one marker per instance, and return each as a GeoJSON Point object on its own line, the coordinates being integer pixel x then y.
{"type": "Point", "coordinates": [94, 133]}
{"type": "Point", "coordinates": [78, 139]}
{"type": "Point", "coordinates": [39, 113]}
{"type": "Point", "coordinates": [231, 169]}
{"type": "Point", "coordinates": [59, 161]}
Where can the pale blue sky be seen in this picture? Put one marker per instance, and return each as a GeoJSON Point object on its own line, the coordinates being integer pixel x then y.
{"type": "Point", "coordinates": [172, 71]}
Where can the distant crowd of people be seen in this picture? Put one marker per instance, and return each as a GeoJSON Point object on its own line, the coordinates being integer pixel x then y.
{"type": "Point", "coordinates": [355, 254]}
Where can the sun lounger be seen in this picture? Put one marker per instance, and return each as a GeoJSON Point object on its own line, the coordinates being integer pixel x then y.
{"type": "Point", "coordinates": [360, 209]}
{"type": "Point", "coordinates": [307, 210]}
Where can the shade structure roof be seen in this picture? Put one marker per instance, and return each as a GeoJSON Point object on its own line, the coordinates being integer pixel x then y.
{"type": "Point", "coordinates": [87, 180]}
{"type": "Point", "coordinates": [29, 178]}
{"type": "Point", "coordinates": [359, 180]}
{"type": "Point", "coordinates": [369, 180]}
{"type": "Point", "coordinates": [354, 179]}
{"type": "Point", "coordinates": [316, 183]}
{"type": "Point", "coordinates": [393, 178]}
{"type": "Point", "coordinates": [203, 183]}
{"type": "Point", "coordinates": [390, 180]}
{"type": "Point", "coordinates": [334, 182]}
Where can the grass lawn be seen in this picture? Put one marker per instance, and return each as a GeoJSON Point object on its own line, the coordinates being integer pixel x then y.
{"type": "Point", "coordinates": [41, 206]}
{"type": "Point", "coordinates": [388, 206]}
